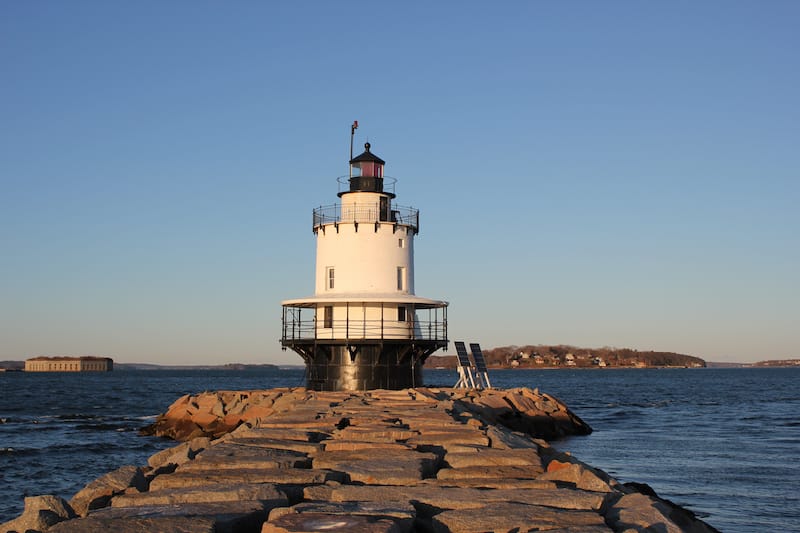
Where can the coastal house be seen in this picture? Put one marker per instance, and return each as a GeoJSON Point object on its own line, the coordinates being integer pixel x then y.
{"type": "Point", "coordinates": [69, 364]}
{"type": "Point", "coordinates": [569, 360]}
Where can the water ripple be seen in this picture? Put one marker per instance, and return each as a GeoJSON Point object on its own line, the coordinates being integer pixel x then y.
{"type": "Point", "coordinates": [723, 442]}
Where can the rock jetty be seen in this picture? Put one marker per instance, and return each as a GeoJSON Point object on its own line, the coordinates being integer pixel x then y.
{"type": "Point", "coordinates": [425, 459]}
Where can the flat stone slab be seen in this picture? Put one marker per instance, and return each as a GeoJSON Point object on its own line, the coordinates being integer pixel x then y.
{"type": "Point", "coordinates": [373, 433]}
{"type": "Point", "coordinates": [300, 424]}
{"type": "Point", "coordinates": [445, 438]}
{"type": "Point", "coordinates": [355, 445]}
{"type": "Point", "coordinates": [494, 457]}
{"type": "Point", "coordinates": [372, 467]}
{"type": "Point", "coordinates": [227, 517]}
{"type": "Point", "coordinates": [218, 492]}
{"type": "Point", "coordinates": [514, 517]}
{"type": "Point", "coordinates": [457, 498]}
{"type": "Point", "coordinates": [233, 455]}
{"type": "Point", "coordinates": [490, 472]}
{"type": "Point", "coordinates": [302, 447]}
{"type": "Point", "coordinates": [281, 434]}
{"type": "Point", "coordinates": [494, 483]}
{"type": "Point", "coordinates": [313, 522]}
{"type": "Point", "coordinates": [289, 476]}
{"type": "Point", "coordinates": [173, 524]}
{"type": "Point", "coordinates": [388, 509]}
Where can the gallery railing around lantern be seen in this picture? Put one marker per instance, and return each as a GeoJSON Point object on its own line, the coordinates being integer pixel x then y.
{"type": "Point", "coordinates": [301, 325]}
{"type": "Point", "coordinates": [383, 184]}
{"type": "Point", "coordinates": [366, 213]}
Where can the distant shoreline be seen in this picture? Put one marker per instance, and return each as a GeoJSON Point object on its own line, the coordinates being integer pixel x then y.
{"type": "Point", "coordinates": [227, 366]}
{"type": "Point", "coordinates": [599, 369]}
{"type": "Point", "coordinates": [18, 366]}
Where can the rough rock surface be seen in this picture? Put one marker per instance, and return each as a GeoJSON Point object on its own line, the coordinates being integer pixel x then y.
{"type": "Point", "coordinates": [40, 513]}
{"type": "Point", "coordinates": [99, 492]}
{"type": "Point", "coordinates": [213, 414]}
{"type": "Point", "coordinates": [430, 460]}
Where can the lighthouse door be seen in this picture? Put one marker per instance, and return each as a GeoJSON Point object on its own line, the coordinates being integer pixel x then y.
{"type": "Point", "coordinates": [384, 208]}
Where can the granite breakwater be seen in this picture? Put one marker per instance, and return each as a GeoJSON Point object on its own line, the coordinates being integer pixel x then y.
{"type": "Point", "coordinates": [292, 460]}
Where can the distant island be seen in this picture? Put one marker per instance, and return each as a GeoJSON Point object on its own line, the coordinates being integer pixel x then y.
{"type": "Point", "coordinates": [563, 356]}
{"type": "Point", "coordinates": [17, 366]}
{"type": "Point", "coordinates": [779, 362]}
{"type": "Point", "coordinates": [771, 363]}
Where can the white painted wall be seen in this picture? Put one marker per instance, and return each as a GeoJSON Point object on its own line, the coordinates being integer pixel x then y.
{"type": "Point", "coordinates": [360, 320]}
{"type": "Point", "coordinates": [361, 206]}
{"type": "Point", "coordinates": [364, 261]}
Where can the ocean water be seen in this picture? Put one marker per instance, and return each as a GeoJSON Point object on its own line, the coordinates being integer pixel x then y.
{"type": "Point", "coordinates": [723, 442]}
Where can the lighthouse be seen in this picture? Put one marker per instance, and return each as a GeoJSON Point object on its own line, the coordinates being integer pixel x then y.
{"type": "Point", "coordinates": [364, 327]}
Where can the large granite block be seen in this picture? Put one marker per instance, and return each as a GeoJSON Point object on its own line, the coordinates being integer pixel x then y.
{"type": "Point", "coordinates": [514, 517]}
{"type": "Point", "coordinates": [263, 492]}
{"type": "Point", "coordinates": [226, 517]}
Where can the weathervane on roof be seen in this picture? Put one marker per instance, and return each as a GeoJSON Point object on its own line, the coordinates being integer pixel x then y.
{"type": "Point", "coordinates": [353, 129]}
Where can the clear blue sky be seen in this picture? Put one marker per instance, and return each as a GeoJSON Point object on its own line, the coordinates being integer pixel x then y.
{"type": "Point", "coordinates": [588, 173]}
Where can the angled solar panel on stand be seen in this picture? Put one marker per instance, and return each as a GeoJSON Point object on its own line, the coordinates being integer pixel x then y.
{"type": "Point", "coordinates": [464, 367]}
{"type": "Point", "coordinates": [481, 372]}
{"type": "Point", "coordinates": [477, 354]}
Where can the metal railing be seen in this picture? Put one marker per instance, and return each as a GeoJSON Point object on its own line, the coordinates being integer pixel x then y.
{"type": "Point", "coordinates": [367, 213]}
{"type": "Point", "coordinates": [297, 329]}
{"type": "Point", "coordinates": [387, 183]}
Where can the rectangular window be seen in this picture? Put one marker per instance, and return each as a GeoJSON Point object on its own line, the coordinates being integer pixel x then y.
{"type": "Point", "coordinates": [401, 314]}
{"type": "Point", "coordinates": [328, 317]}
{"type": "Point", "coordinates": [401, 243]}
{"type": "Point", "coordinates": [401, 278]}
{"type": "Point", "coordinates": [329, 276]}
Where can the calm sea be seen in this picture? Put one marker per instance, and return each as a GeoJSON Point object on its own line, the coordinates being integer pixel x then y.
{"type": "Point", "coordinates": [722, 442]}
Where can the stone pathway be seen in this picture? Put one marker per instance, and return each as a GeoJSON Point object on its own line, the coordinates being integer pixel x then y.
{"type": "Point", "coordinates": [430, 460]}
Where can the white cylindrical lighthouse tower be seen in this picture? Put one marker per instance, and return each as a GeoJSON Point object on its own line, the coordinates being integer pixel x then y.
{"type": "Point", "coordinates": [364, 328]}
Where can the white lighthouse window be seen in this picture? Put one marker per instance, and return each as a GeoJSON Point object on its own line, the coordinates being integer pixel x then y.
{"type": "Point", "coordinates": [401, 313]}
{"type": "Point", "coordinates": [329, 275]}
{"type": "Point", "coordinates": [401, 278]}
{"type": "Point", "coordinates": [401, 243]}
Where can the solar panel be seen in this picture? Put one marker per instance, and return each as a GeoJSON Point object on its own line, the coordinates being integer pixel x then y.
{"type": "Point", "coordinates": [480, 362]}
{"type": "Point", "coordinates": [463, 357]}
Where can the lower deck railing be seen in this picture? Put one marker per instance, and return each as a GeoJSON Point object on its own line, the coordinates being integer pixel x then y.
{"type": "Point", "coordinates": [297, 328]}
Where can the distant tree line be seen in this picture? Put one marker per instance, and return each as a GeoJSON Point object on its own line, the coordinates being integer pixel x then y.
{"type": "Point", "coordinates": [544, 356]}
